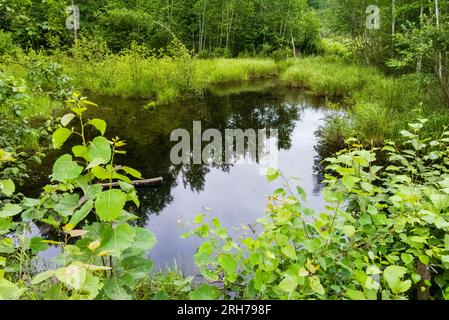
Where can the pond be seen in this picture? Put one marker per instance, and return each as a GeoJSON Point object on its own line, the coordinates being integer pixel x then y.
{"type": "Point", "coordinates": [236, 194]}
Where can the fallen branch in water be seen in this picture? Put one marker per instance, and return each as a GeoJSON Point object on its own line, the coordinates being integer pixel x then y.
{"type": "Point", "coordinates": [135, 183]}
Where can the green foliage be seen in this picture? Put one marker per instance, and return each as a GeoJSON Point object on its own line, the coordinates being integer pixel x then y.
{"type": "Point", "coordinates": [7, 46]}
{"type": "Point", "coordinates": [17, 134]}
{"type": "Point", "coordinates": [384, 235]}
{"type": "Point", "coordinates": [49, 78]}
{"type": "Point", "coordinates": [163, 76]}
{"type": "Point", "coordinates": [167, 285]}
{"type": "Point", "coordinates": [327, 77]}
{"type": "Point", "coordinates": [215, 26]}
{"type": "Point", "coordinates": [104, 259]}
{"type": "Point", "coordinates": [340, 48]}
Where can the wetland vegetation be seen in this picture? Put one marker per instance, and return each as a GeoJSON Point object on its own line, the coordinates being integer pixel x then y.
{"type": "Point", "coordinates": [357, 208]}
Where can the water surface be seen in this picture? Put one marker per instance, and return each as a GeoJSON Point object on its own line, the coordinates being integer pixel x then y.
{"type": "Point", "coordinates": [236, 194]}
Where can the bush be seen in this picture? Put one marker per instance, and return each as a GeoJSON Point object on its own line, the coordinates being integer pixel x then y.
{"type": "Point", "coordinates": [336, 47]}
{"type": "Point", "coordinates": [96, 257]}
{"type": "Point", "coordinates": [7, 46]}
{"type": "Point", "coordinates": [384, 234]}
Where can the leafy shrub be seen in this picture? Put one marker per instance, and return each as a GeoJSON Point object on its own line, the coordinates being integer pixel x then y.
{"type": "Point", "coordinates": [384, 235]}
{"type": "Point", "coordinates": [49, 78]}
{"type": "Point", "coordinates": [18, 137]}
{"type": "Point", "coordinates": [337, 47]}
{"type": "Point", "coordinates": [7, 46]}
{"type": "Point", "coordinates": [103, 259]}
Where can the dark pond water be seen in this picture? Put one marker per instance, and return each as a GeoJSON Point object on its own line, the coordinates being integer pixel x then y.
{"type": "Point", "coordinates": [235, 194]}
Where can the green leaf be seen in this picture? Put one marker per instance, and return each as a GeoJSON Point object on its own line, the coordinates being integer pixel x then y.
{"type": "Point", "coordinates": [80, 152]}
{"type": "Point", "coordinates": [445, 261]}
{"type": "Point", "coordinates": [205, 292]}
{"type": "Point", "coordinates": [73, 276]}
{"type": "Point", "coordinates": [9, 291]}
{"type": "Point", "coordinates": [393, 276]}
{"type": "Point", "coordinates": [289, 284]}
{"type": "Point", "coordinates": [60, 136]}
{"type": "Point", "coordinates": [67, 118]}
{"type": "Point", "coordinates": [110, 204]}
{"type": "Point", "coordinates": [80, 214]}
{"type": "Point", "coordinates": [101, 173]}
{"type": "Point", "coordinates": [349, 231]}
{"type": "Point", "coordinates": [67, 204]}
{"type": "Point", "coordinates": [41, 277]}
{"type": "Point", "coordinates": [115, 289]}
{"type": "Point", "coordinates": [350, 181]}
{"type": "Point", "coordinates": [289, 251]}
{"type": "Point", "coordinates": [7, 187]}
{"type": "Point", "coordinates": [92, 286]}
{"type": "Point", "coordinates": [407, 258]}
{"type": "Point", "coordinates": [136, 267]}
{"type": "Point", "coordinates": [10, 210]}
{"type": "Point", "coordinates": [272, 174]}
{"type": "Point", "coordinates": [99, 150]}
{"type": "Point", "coordinates": [259, 279]}
{"type": "Point", "coordinates": [132, 172]}
{"type": "Point", "coordinates": [66, 169]}
{"type": "Point", "coordinates": [29, 202]}
{"type": "Point", "coordinates": [37, 244]}
{"type": "Point", "coordinates": [144, 240]}
{"type": "Point", "coordinates": [199, 219]}
{"type": "Point", "coordinates": [161, 295]}
{"type": "Point", "coordinates": [407, 134]}
{"type": "Point", "coordinates": [117, 240]}
{"type": "Point", "coordinates": [228, 263]}
{"type": "Point", "coordinates": [424, 259]}
{"type": "Point", "coordinates": [99, 124]}
{"type": "Point", "coordinates": [203, 253]}
{"type": "Point", "coordinates": [389, 148]}
{"type": "Point", "coordinates": [355, 294]}
{"type": "Point", "coordinates": [440, 201]}
{"type": "Point", "coordinates": [302, 193]}
{"type": "Point", "coordinates": [315, 285]}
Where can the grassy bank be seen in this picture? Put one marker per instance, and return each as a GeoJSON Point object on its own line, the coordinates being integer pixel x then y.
{"type": "Point", "coordinates": [163, 79]}
{"type": "Point", "coordinates": [379, 105]}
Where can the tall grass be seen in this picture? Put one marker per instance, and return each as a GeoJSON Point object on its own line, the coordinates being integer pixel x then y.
{"type": "Point", "coordinates": [163, 79]}
{"type": "Point", "coordinates": [379, 105]}
{"type": "Point", "coordinates": [207, 72]}
{"type": "Point", "coordinates": [325, 77]}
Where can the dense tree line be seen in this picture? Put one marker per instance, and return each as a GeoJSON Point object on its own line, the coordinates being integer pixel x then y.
{"type": "Point", "coordinates": [220, 26]}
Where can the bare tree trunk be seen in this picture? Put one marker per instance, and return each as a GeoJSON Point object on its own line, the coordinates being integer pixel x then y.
{"type": "Point", "coordinates": [293, 45]}
{"type": "Point", "coordinates": [421, 23]}
{"type": "Point", "coordinates": [393, 21]}
{"type": "Point", "coordinates": [202, 25]}
{"type": "Point", "coordinates": [440, 58]}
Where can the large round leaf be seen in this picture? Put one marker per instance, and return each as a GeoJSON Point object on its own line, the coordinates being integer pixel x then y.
{"type": "Point", "coordinates": [99, 124]}
{"type": "Point", "coordinates": [60, 136]}
{"type": "Point", "coordinates": [65, 169]}
{"type": "Point", "coordinates": [99, 150]}
{"type": "Point", "coordinates": [109, 204]}
{"type": "Point", "coordinates": [117, 240]}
